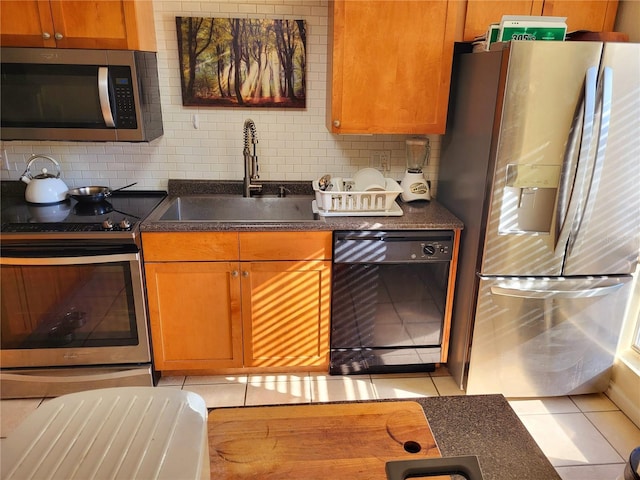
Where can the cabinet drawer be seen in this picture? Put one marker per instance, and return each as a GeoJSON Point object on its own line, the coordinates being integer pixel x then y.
{"type": "Point", "coordinates": [189, 246]}
{"type": "Point", "coordinates": [285, 245]}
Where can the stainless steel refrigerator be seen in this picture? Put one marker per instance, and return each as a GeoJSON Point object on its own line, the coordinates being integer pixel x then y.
{"type": "Point", "coordinates": [541, 161]}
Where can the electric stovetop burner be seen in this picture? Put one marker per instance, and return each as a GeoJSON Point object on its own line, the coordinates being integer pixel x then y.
{"type": "Point", "coordinates": [121, 213]}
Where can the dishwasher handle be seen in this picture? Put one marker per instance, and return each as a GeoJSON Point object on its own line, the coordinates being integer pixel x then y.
{"type": "Point", "coordinates": [396, 236]}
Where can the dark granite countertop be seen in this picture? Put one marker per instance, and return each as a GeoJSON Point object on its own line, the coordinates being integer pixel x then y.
{"type": "Point", "coordinates": [416, 215]}
{"type": "Point", "coordinates": [485, 426]}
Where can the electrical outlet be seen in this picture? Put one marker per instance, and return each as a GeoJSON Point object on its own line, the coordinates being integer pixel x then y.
{"type": "Point", "coordinates": [385, 161]}
{"type": "Point", "coordinates": [374, 160]}
{"type": "Point", "coordinates": [380, 159]}
{"type": "Point", "coordinates": [4, 160]}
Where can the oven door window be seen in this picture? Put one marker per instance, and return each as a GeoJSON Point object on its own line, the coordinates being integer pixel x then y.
{"type": "Point", "coordinates": [67, 306]}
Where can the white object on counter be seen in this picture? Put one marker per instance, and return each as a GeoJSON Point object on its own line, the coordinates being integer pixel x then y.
{"type": "Point", "coordinates": [348, 201]}
{"type": "Point", "coordinates": [117, 433]}
{"type": "Point", "coordinates": [44, 187]}
{"type": "Point", "coordinates": [365, 177]}
{"type": "Point", "coordinates": [394, 211]}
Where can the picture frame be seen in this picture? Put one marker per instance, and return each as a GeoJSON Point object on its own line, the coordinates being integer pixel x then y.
{"type": "Point", "coordinates": [242, 62]}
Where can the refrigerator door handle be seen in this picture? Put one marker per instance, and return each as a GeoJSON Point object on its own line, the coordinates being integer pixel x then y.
{"type": "Point", "coordinates": [548, 294]}
{"type": "Point", "coordinates": [604, 104]}
{"type": "Point", "coordinates": [578, 190]}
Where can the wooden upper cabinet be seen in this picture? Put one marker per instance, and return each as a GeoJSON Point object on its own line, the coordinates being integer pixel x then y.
{"type": "Point", "coordinates": [26, 23]}
{"type": "Point", "coordinates": [482, 13]}
{"type": "Point", "coordinates": [100, 24]}
{"type": "Point", "coordinates": [594, 15]}
{"type": "Point", "coordinates": [390, 65]}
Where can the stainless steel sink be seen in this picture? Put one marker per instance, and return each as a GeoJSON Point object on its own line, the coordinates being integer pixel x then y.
{"type": "Point", "coordinates": [233, 208]}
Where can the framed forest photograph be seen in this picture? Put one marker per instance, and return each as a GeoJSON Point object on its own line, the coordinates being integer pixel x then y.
{"type": "Point", "coordinates": [241, 62]}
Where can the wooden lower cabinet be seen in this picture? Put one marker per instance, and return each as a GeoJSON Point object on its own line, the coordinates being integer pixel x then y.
{"type": "Point", "coordinates": [194, 311]}
{"type": "Point", "coordinates": [248, 312]}
{"type": "Point", "coordinates": [285, 309]}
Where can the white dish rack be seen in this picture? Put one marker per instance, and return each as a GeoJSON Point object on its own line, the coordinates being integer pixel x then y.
{"type": "Point", "coordinates": [344, 200]}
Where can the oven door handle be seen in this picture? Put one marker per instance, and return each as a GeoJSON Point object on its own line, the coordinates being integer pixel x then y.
{"type": "Point", "coordinates": [125, 257]}
{"type": "Point", "coordinates": [16, 376]}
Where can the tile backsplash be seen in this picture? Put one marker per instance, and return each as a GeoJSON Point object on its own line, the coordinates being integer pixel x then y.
{"type": "Point", "coordinates": [293, 144]}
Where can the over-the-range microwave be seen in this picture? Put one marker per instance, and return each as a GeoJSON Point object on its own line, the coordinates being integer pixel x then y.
{"type": "Point", "coordinates": [74, 94]}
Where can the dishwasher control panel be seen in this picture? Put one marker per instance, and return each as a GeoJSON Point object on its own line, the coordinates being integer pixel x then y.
{"type": "Point", "coordinates": [392, 246]}
{"type": "Point", "coordinates": [433, 250]}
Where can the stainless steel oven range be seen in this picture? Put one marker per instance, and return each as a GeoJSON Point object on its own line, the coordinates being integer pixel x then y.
{"type": "Point", "coordinates": [73, 302]}
{"type": "Point", "coordinates": [389, 294]}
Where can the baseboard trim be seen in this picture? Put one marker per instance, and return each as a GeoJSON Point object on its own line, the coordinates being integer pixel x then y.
{"type": "Point", "coordinates": [623, 391]}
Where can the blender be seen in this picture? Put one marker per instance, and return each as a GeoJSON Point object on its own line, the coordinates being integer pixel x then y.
{"type": "Point", "coordinates": [414, 185]}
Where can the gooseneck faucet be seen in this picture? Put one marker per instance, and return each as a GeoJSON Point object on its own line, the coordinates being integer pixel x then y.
{"type": "Point", "coordinates": [250, 159]}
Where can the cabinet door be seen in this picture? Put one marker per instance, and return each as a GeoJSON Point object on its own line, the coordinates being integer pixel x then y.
{"type": "Point", "coordinates": [26, 23]}
{"type": "Point", "coordinates": [390, 65]}
{"type": "Point", "coordinates": [482, 13]}
{"type": "Point", "coordinates": [285, 310]}
{"type": "Point", "coordinates": [194, 311]}
{"type": "Point", "coordinates": [103, 24]}
{"type": "Point", "coordinates": [594, 15]}
{"type": "Point", "coordinates": [85, 24]}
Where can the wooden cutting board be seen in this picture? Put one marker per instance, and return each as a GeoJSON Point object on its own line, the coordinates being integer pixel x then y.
{"type": "Point", "coordinates": [323, 441]}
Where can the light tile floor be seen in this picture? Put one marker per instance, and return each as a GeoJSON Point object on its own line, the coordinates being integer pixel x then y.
{"type": "Point", "coordinates": [585, 437]}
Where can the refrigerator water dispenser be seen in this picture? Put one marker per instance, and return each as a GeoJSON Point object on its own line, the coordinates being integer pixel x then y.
{"type": "Point", "coordinates": [529, 198]}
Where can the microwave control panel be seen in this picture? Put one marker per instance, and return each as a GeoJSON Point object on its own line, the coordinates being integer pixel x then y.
{"type": "Point", "coordinates": [123, 98]}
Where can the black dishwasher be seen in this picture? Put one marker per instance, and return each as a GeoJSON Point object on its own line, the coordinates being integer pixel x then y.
{"type": "Point", "coordinates": [389, 293]}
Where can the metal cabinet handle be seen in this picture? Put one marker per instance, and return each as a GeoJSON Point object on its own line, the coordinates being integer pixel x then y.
{"type": "Point", "coordinates": [46, 35]}
{"type": "Point", "coordinates": [58, 36]}
{"type": "Point", "coordinates": [234, 273]}
{"type": "Point", "coordinates": [245, 274]}
{"type": "Point", "coordinates": [336, 123]}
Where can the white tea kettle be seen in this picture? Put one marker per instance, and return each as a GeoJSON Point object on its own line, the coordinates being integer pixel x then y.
{"type": "Point", "coordinates": [44, 187]}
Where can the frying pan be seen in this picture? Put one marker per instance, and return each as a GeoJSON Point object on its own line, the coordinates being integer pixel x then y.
{"type": "Point", "coordinates": [92, 209]}
{"type": "Point", "coordinates": [94, 193]}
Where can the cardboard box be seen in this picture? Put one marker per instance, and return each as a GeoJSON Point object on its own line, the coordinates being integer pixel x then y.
{"type": "Point", "coordinates": [532, 28]}
{"type": "Point", "coordinates": [492, 35]}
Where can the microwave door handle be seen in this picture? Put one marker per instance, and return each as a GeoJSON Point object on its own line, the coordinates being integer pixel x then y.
{"type": "Point", "coordinates": [548, 294]}
{"type": "Point", "coordinates": [103, 93]}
